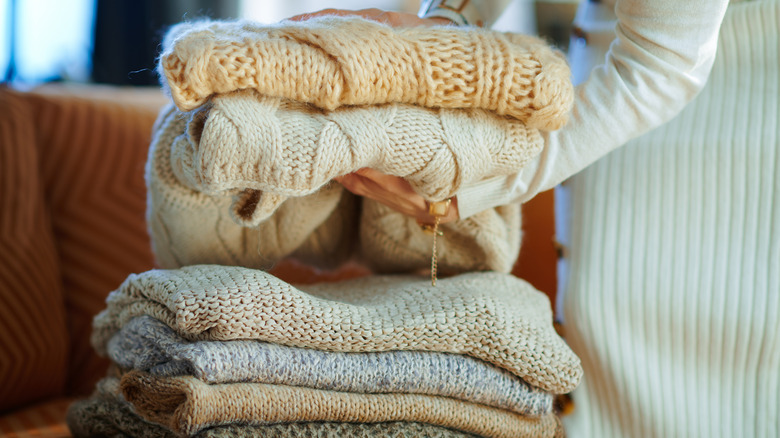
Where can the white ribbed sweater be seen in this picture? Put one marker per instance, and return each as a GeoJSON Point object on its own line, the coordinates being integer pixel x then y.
{"type": "Point", "coordinates": [673, 295]}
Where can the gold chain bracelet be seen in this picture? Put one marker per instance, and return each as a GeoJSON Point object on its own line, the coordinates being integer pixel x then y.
{"type": "Point", "coordinates": [438, 210]}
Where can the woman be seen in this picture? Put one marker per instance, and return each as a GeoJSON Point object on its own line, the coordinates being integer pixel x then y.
{"type": "Point", "coordinates": [672, 297]}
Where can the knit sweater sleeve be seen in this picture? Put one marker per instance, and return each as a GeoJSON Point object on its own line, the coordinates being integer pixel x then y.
{"type": "Point", "coordinates": [660, 59]}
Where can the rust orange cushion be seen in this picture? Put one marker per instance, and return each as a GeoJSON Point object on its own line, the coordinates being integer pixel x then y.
{"type": "Point", "coordinates": [33, 337]}
{"type": "Point", "coordinates": [93, 144]}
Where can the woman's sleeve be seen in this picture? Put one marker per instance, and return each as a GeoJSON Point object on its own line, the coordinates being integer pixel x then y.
{"type": "Point", "coordinates": [660, 59]}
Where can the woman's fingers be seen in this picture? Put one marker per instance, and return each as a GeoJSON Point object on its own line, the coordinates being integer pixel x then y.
{"type": "Point", "coordinates": [393, 19]}
{"type": "Point", "coordinates": [394, 192]}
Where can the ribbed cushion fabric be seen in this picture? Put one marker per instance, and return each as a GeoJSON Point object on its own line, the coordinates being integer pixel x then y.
{"type": "Point", "coordinates": [673, 301]}
{"type": "Point", "coordinates": [33, 337]}
{"type": "Point", "coordinates": [92, 154]}
{"type": "Point", "coordinates": [42, 419]}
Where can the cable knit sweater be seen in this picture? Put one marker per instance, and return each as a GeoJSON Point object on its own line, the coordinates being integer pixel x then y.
{"type": "Point", "coordinates": [255, 229]}
{"type": "Point", "coordinates": [265, 144]}
{"type": "Point", "coordinates": [244, 140]}
{"type": "Point", "coordinates": [336, 61]}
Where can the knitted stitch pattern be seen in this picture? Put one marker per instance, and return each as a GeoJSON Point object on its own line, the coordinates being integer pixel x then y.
{"type": "Point", "coordinates": [187, 405]}
{"type": "Point", "coordinates": [107, 413]}
{"type": "Point", "coordinates": [246, 140]}
{"type": "Point", "coordinates": [336, 61]}
{"type": "Point", "coordinates": [146, 344]}
{"type": "Point", "coordinates": [495, 317]}
{"type": "Point", "coordinates": [319, 229]}
{"type": "Point", "coordinates": [189, 227]}
{"type": "Point", "coordinates": [392, 242]}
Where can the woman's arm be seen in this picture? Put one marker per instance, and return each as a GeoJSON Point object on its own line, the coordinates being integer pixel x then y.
{"type": "Point", "coordinates": [659, 61]}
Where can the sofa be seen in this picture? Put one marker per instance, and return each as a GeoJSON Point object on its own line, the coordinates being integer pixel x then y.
{"type": "Point", "coordinates": [72, 227]}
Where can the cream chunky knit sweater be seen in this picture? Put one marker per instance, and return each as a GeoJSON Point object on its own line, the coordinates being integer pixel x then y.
{"type": "Point", "coordinates": [251, 228]}
{"type": "Point", "coordinates": [245, 140]}
{"type": "Point", "coordinates": [336, 61]}
{"type": "Point", "coordinates": [255, 138]}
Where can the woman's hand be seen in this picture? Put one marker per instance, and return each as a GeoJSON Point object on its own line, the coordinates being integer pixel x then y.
{"type": "Point", "coordinates": [391, 191]}
{"type": "Point", "coordinates": [395, 193]}
{"type": "Point", "coordinates": [392, 19]}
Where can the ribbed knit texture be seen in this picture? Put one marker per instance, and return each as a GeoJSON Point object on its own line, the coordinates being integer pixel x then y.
{"type": "Point", "coordinates": [187, 405]}
{"type": "Point", "coordinates": [245, 140]}
{"type": "Point", "coordinates": [33, 335]}
{"type": "Point", "coordinates": [335, 61]}
{"type": "Point", "coordinates": [107, 413]}
{"type": "Point", "coordinates": [673, 300]}
{"type": "Point", "coordinates": [494, 317]}
{"type": "Point", "coordinates": [146, 344]}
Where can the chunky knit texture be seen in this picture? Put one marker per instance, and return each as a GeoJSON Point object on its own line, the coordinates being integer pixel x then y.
{"type": "Point", "coordinates": [255, 229]}
{"type": "Point", "coordinates": [245, 140]}
{"type": "Point", "coordinates": [146, 344]}
{"type": "Point", "coordinates": [187, 405]}
{"type": "Point", "coordinates": [107, 413]}
{"type": "Point", "coordinates": [490, 316]}
{"type": "Point", "coordinates": [392, 242]}
{"type": "Point", "coordinates": [336, 61]}
{"type": "Point", "coordinates": [188, 227]}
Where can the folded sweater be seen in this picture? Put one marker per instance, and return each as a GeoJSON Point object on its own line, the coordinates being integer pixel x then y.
{"type": "Point", "coordinates": [187, 405]}
{"type": "Point", "coordinates": [189, 227]}
{"type": "Point", "coordinates": [336, 61]}
{"type": "Point", "coordinates": [106, 413]}
{"type": "Point", "coordinates": [244, 140]}
{"type": "Point", "coordinates": [255, 229]}
{"type": "Point", "coordinates": [494, 317]}
{"type": "Point", "coordinates": [147, 344]}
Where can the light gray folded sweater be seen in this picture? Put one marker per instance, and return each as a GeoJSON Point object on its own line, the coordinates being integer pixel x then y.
{"type": "Point", "coordinates": [149, 345]}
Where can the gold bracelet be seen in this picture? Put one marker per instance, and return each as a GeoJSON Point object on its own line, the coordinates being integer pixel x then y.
{"type": "Point", "coordinates": [438, 210]}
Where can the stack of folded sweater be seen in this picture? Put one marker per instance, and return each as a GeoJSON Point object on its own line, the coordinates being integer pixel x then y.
{"type": "Point", "coordinates": [206, 348]}
{"type": "Point", "coordinates": [239, 175]}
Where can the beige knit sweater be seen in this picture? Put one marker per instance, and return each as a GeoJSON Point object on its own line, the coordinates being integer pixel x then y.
{"type": "Point", "coordinates": [252, 228]}
{"type": "Point", "coordinates": [335, 61]}
{"type": "Point", "coordinates": [187, 405]}
{"type": "Point", "coordinates": [494, 317]}
{"type": "Point", "coordinates": [244, 140]}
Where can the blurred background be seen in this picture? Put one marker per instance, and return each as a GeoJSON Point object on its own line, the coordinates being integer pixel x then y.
{"type": "Point", "coordinates": [116, 41]}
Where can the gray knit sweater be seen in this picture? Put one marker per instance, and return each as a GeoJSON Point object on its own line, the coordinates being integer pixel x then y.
{"type": "Point", "coordinates": [149, 345]}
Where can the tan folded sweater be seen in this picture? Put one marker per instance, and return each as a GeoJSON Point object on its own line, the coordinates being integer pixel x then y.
{"type": "Point", "coordinates": [495, 317]}
{"type": "Point", "coordinates": [107, 414]}
{"type": "Point", "coordinates": [336, 61]}
{"type": "Point", "coordinates": [187, 405]}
